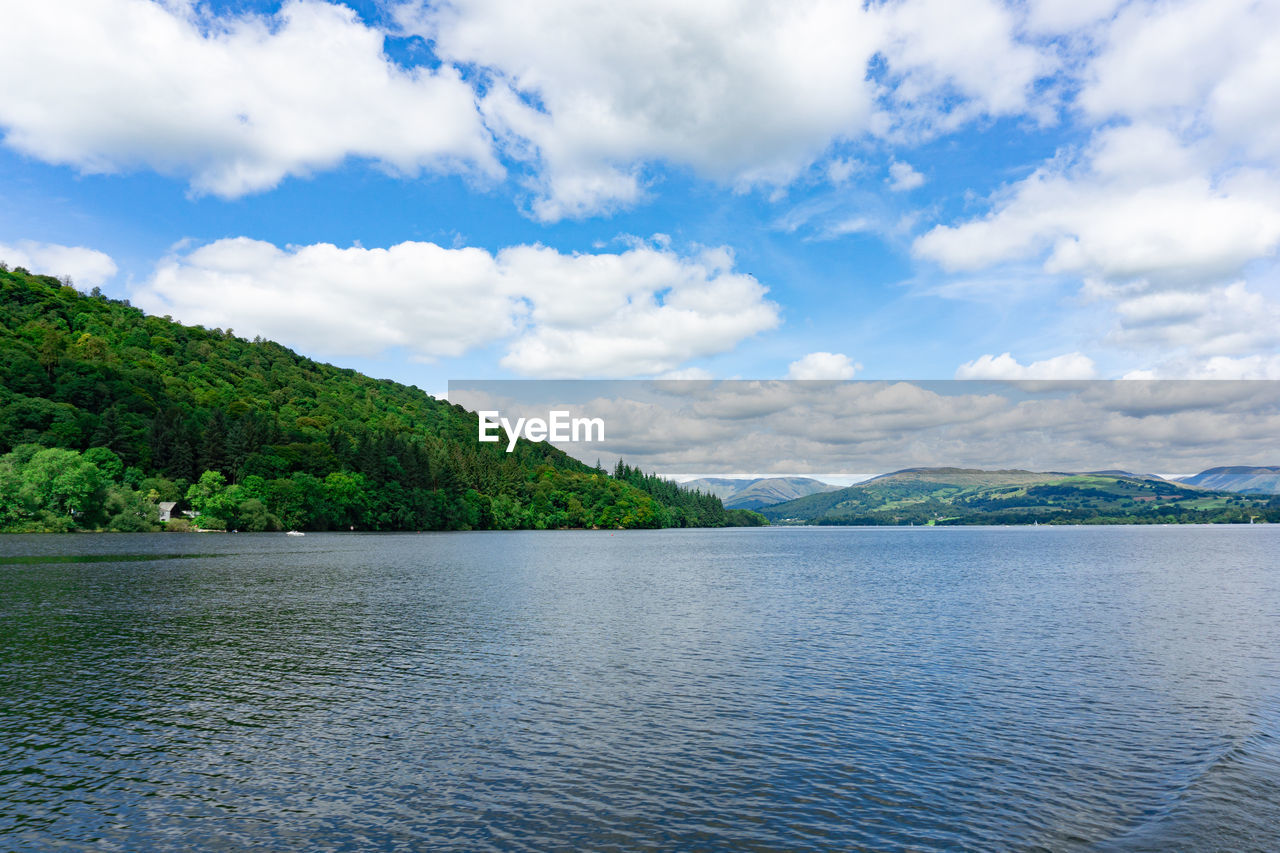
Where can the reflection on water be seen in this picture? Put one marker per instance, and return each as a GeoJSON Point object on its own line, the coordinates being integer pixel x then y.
{"type": "Point", "coordinates": [41, 559]}
{"type": "Point", "coordinates": [1000, 688]}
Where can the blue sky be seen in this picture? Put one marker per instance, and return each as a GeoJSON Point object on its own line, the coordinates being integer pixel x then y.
{"type": "Point", "coordinates": [497, 189]}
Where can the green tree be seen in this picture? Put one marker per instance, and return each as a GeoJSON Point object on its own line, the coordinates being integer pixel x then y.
{"type": "Point", "coordinates": [107, 462]}
{"type": "Point", "coordinates": [63, 483]}
{"type": "Point", "coordinates": [347, 495]}
{"type": "Point", "coordinates": [130, 511]}
{"type": "Point", "coordinates": [252, 515]}
{"type": "Point", "coordinates": [209, 496]}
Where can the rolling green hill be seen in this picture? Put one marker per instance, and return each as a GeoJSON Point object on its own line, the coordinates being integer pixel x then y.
{"type": "Point", "coordinates": [970, 496]}
{"type": "Point", "coordinates": [106, 412]}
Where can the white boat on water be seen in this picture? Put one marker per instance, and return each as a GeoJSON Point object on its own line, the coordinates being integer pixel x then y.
{"type": "Point", "coordinates": [294, 533]}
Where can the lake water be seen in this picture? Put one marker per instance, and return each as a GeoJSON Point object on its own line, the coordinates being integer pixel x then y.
{"type": "Point", "coordinates": [776, 689]}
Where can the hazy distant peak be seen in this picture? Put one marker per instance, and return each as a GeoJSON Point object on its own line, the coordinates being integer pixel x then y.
{"type": "Point", "coordinates": [757, 492]}
{"type": "Point", "coordinates": [1250, 479]}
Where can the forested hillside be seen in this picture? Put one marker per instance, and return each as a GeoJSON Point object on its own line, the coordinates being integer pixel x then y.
{"type": "Point", "coordinates": [105, 412]}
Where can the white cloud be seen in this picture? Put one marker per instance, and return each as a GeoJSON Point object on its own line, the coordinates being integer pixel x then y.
{"type": "Point", "coordinates": [688, 373]}
{"type": "Point", "coordinates": [1164, 196]}
{"type": "Point", "coordinates": [750, 93]}
{"type": "Point", "coordinates": [233, 104]}
{"type": "Point", "coordinates": [747, 93]}
{"type": "Point", "coordinates": [823, 365]}
{"type": "Point", "coordinates": [1062, 16]}
{"type": "Point", "coordinates": [852, 225]}
{"type": "Point", "coordinates": [1216, 367]}
{"type": "Point", "coordinates": [951, 60]}
{"type": "Point", "coordinates": [1004, 366]}
{"type": "Point", "coordinates": [1208, 68]}
{"type": "Point", "coordinates": [1143, 70]}
{"type": "Point", "coordinates": [1172, 210]}
{"type": "Point", "coordinates": [903, 178]}
{"type": "Point", "coordinates": [1187, 327]}
{"type": "Point", "coordinates": [1137, 205]}
{"type": "Point", "coordinates": [841, 169]}
{"type": "Point", "coordinates": [641, 312]}
{"type": "Point", "coordinates": [85, 267]}
{"type": "Point", "coordinates": [427, 299]}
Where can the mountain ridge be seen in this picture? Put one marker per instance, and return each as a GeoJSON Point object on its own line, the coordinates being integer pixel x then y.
{"type": "Point", "coordinates": [1245, 479]}
{"type": "Point", "coordinates": [1018, 496]}
{"type": "Point", "coordinates": [757, 492]}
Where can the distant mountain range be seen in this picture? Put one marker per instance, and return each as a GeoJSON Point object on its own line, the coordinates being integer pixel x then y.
{"type": "Point", "coordinates": [1249, 480]}
{"type": "Point", "coordinates": [974, 496]}
{"type": "Point", "coordinates": [813, 501]}
{"type": "Point", "coordinates": [758, 492]}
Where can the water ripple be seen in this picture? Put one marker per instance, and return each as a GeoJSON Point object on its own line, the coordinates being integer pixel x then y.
{"type": "Point", "coordinates": [992, 689]}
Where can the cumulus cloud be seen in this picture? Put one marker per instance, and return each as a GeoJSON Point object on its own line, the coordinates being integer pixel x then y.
{"type": "Point", "coordinates": [950, 60]}
{"type": "Point", "coordinates": [1072, 365]}
{"type": "Point", "coordinates": [823, 365]}
{"type": "Point", "coordinates": [1224, 320]}
{"type": "Point", "coordinates": [234, 104]}
{"type": "Point", "coordinates": [1228, 98]}
{"type": "Point", "coordinates": [641, 312]}
{"type": "Point", "coordinates": [1184, 169]}
{"type": "Point", "coordinates": [1141, 70]}
{"type": "Point", "coordinates": [1136, 205]}
{"type": "Point", "coordinates": [1224, 332]}
{"type": "Point", "coordinates": [586, 100]}
{"type": "Point", "coordinates": [1171, 211]}
{"type": "Point", "coordinates": [85, 267]}
{"type": "Point", "coordinates": [747, 93]}
{"type": "Point", "coordinates": [903, 178]}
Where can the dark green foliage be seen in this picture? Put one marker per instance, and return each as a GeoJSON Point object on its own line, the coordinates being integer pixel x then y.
{"type": "Point", "coordinates": [686, 508]}
{"type": "Point", "coordinates": [252, 436]}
